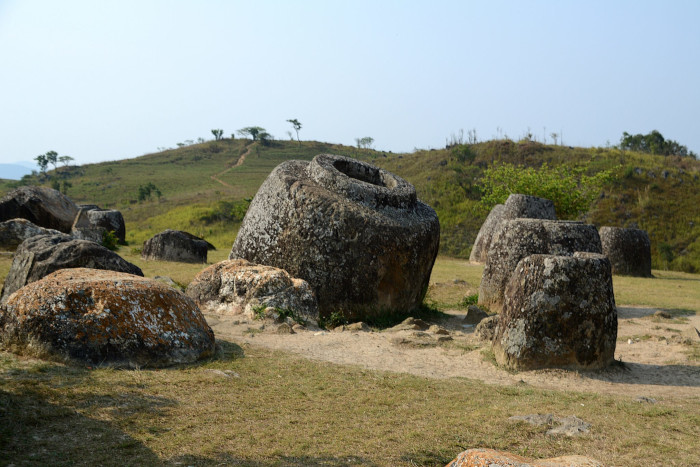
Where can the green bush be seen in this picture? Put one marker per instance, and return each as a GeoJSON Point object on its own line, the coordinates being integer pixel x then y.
{"type": "Point", "coordinates": [570, 189]}
{"type": "Point", "coordinates": [110, 240]}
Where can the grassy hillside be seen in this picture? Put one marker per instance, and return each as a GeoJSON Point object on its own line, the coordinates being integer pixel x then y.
{"type": "Point", "coordinates": [204, 190]}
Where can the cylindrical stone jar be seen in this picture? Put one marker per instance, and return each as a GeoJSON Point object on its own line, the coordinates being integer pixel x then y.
{"type": "Point", "coordinates": [356, 233]}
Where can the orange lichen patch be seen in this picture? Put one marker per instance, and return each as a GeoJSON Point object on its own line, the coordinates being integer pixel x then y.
{"type": "Point", "coordinates": [493, 458]}
{"type": "Point", "coordinates": [108, 317]}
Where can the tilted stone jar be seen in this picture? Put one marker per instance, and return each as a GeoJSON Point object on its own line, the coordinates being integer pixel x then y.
{"type": "Point", "coordinates": [356, 233]}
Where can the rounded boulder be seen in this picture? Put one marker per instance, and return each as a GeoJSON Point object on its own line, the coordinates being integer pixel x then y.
{"type": "Point", "coordinates": [559, 312]}
{"type": "Point", "coordinates": [106, 317]}
{"type": "Point", "coordinates": [41, 255]}
{"type": "Point", "coordinates": [175, 245]}
{"type": "Point", "coordinates": [356, 233]}
{"type": "Point", "coordinates": [629, 250]}
{"type": "Point", "coordinates": [238, 286]}
{"type": "Point", "coordinates": [42, 206]}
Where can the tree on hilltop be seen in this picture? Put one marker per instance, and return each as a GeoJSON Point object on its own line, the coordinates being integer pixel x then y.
{"type": "Point", "coordinates": [253, 131]}
{"type": "Point", "coordinates": [297, 126]}
{"type": "Point", "coordinates": [654, 143]}
{"type": "Point", "coordinates": [218, 133]}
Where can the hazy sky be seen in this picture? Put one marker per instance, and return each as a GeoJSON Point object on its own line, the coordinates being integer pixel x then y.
{"type": "Point", "coordinates": [105, 80]}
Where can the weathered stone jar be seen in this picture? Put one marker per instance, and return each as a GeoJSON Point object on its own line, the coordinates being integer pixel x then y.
{"type": "Point", "coordinates": [559, 311]}
{"type": "Point", "coordinates": [356, 233]}
{"type": "Point", "coordinates": [629, 250]}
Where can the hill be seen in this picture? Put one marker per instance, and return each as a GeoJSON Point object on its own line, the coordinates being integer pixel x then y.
{"type": "Point", "coordinates": [204, 188]}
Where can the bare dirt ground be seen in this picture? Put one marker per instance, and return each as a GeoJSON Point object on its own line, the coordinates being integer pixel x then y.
{"type": "Point", "coordinates": [656, 353]}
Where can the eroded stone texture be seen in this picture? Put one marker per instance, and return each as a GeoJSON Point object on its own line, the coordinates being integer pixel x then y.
{"type": "Point", "coordinates": [629, 250]}
{"type": "Point", "coordinates": [91, 223]}
{"type": "Point", "coordinates": [356, 233]}
{"type": "Point", "coordinates": [39, 256]}
{"type": "Point", "coordinates": [486, 232]}
{"type": "Point", "coordinates": [516, 206]}
{"type": "Point", "coordinates": [238, 286]}
{"type": "Point", "coordinates": [559, 311]}
{"type": "Point", "coordinates": [14, 231]}
{"type": "Point", "coordinates": [42, 206]}
{"type": "Point", "coordinates": [518, 238]}
{"type": "Point", "coordinates": [492, 458]}
{"type": "Point", "coordinates": [525, 206]}
{"type": "Point", "coordinates": [106, 317]}
{"type": "Point", "coordinates": [175, 245]}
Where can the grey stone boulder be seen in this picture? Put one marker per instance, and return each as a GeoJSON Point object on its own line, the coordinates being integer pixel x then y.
{"type": "Point", "coordinates": [103, 317]}
{"type": "Point", "coordinates": [519, 206]}
{"type": "Point", "coordinates": [519, 238]}
{"type": "Point", "coordinates": [92, 222]}
{"type": "Point", "coordinates": [356, 233]}
{"type": "Point", "coordinates": [238, 286]}
{"type": "Point", "coordinates": [629, 250]}
{"type": "Point", "coordinates": [175, 245]}
{"type": "Point", "coordinates": [559, 312]}
{"type": "Point", "coordinates": [42, 206]}
{"type": "Point", "coordinates": [516, 206]}
{"type": "Point", "coordinates": [14, 231]}
{"type": "Point", "coordinates": [478, 457]}
{"type": "Point", "coordinates": [484, 238]}
{"type": "Point", "coordinates": [39, 256]}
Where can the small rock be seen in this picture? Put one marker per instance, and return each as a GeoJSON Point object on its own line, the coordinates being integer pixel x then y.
{"type": "Point", "coordinates": [225, 373]}
{"type": "Point", "coordinates": [340, 328]}
{"type": "Point", "coordinates": [443, 338]}
{"type": "Point", "coordinates": [459, 281]}
{"type": "Point", "coordinates": [486, 329]}
{"type": "Point", "coordinates": [284, 328]}
{"type": "Point", "coordinates": [355, 327]}
{"type": "Point", "coordinates": [435, 329]}
{"type": "Point", "coordinates": [569, 426]}
{"type": "Point", "coordinates": [298, 327]}
{"type": "Point", "coordinates": [644, 399]}
{"type": "Point", "coordinates": [629, 341]}
{"type": "Point", "coordinates": [662, 314]}
{"type": "Point", "coordinates": [474, 315]}
{"type": "Point", "coordinates": [410, 324]}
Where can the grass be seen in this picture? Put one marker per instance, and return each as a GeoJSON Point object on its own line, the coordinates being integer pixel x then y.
{"type": "Point", "coordinates": [284, 410]}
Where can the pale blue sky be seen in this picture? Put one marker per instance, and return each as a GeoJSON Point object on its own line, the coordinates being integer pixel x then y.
{"type": "Point", "coordinates": [105, 80]}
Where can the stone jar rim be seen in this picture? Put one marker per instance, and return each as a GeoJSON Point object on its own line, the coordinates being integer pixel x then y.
{"type": "Point", "coordinates": [361, 182]}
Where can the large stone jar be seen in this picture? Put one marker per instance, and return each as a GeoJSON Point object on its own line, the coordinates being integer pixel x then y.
{"type": "Point", "coordinates": [356, 233]}
{"type": "Point", "coordinates": [629, 250]}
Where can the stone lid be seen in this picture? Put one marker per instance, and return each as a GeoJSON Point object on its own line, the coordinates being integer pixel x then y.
{"type": "Point", "coordinates": [361, 182]}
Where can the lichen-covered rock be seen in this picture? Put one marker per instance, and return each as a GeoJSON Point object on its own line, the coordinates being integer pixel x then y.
{"type": "Point", "coordinates": [525, 206]}
{"type": "Point", "coordinates": [92, 222]}
{"type": "Point", "coordinates": [484, 238]}
{"type": "Point", "coordinates": [14, 231]}
{"type": "Point", "coordinates": [629, 250]}
{"type": "Point", "coordinates": [39, 256]}
{"type": "Point", "coordinates": [105, 317]}
{"type": "Point", "coordinates": [42, 206]}
{"type": "Point", "coordinates": [175, 245]}
{"type": "Point", "coordinates": [237, 286]}
{"type": "Point", "coordinates": [356, 233]}
{"type": "Point", "coordinates": [492, 458]}
{"type": "Point", "coordinates": [518, 238]}
{"type": "Point", "coordinates": [559, 311]}
{"type": "Point", "coordinates": [517, 206]}
{"type": "Point", "coordinates": [486, 328]}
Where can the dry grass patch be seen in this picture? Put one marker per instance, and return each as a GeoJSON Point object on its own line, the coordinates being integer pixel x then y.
{"type": "Point", "coordinates": [256, 407]}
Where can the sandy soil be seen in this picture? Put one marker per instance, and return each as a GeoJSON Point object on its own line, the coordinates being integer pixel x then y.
{"type": "Point", "coordinates": [655, 353]}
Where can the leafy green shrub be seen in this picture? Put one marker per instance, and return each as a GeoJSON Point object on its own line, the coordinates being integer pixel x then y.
{"type": "Point", "coordinates": [470, 300]}
{"type": "Point", "coordinates": [570, 189]}
{"type": "Point", "coordinates": [227, 211]}
{"type": "Point", "coordinates": [110, 240]}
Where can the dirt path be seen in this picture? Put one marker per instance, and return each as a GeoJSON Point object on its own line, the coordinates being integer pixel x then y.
{"type": "Point", "coordinates": [656, 359]}
{"type": "Point", "coordinates": [239, 162]}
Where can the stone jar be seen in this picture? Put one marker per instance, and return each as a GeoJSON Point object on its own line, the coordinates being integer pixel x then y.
{"type": "Point", "coordinates": [559, 311]}
{"type": "Point", "coordinates": [629, 250]}
{"type": "Point", "coordinates": [356, 233]}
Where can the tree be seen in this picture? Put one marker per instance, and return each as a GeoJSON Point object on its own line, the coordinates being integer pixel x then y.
{"type": "Point", "coordinates": [654, 143]}
{"type": "Point", "coordinates": [297, 126]}
{"type": "Point", "coordinates": [145, 191]}
{"type": "Point", "coordinates": [252, 131]}
{"type": "Point", "coordinates": [42, 162]}
{"type": "Point", "coordinates": [52, 158]}
{"type": "Point", "coordinates": [265, 138]}
{"type": "Point", "coordinates": [65, 160]}
{"type": "Point", "coordinates": [218, 133]}
{"type": "Point", "coordinates": [365, 142]}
